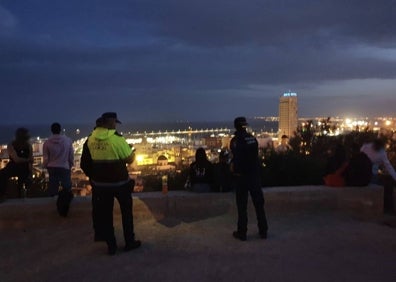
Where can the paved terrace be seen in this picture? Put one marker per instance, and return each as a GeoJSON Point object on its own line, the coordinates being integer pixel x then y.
{"type": "Point", "coordinates": [316, 234]}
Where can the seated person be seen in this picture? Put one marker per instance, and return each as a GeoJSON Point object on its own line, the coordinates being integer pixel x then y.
{"type": "Point", "coordinates": [375, 151]}
{"type": "Point", "coordinates": [201, 173]}
{"type": "Point", "coordinates": [20, 165]}
{"type": "Point", "coordinates": [284, 145]}
{"type": "Point", "coordinates": [223, 175]}
{"type": "Point", "coordinates": [359, 170]}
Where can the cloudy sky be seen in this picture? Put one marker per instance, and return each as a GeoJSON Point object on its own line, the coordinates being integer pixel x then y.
{"type": "Point", "coordinates": [195, 60]}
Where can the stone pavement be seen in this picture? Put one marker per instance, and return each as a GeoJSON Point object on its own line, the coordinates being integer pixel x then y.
{"type": "Point", "coordinates": [303, 245]}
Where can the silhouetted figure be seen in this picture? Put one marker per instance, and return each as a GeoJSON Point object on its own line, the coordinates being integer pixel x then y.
{"type": "Point", "coordinates": [201, 173]}
{"type": "Point", "coordinates": [245, 166]}
{"type": "Point", "coordinates": [20, 165]}
{"type": "Point", "coordinates": [359, 170]}
{"type": "Point", "coordinates": [375, 151]}
{"type": "Point", "coordinates": [58, 159]}
{"type": "Point", "coordinates": [223, 175]}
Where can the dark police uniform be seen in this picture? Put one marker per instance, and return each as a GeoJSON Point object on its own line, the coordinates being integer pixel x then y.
{"type": "Point", "coordinates": [246, 168]}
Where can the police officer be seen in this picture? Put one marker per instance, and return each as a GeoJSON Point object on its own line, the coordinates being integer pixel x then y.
{"type": "Point", "coordinates": [245, 166]}
{"type": "Point", "coordinates": [109, 177]}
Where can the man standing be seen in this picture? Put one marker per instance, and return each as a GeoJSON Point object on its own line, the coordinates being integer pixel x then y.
{"type": "Point", "coordinates": [109, 177]}
{"type": "Point", "coordinates": [58, 155]}
{"type": "Point", "coordinates": [245, 165]}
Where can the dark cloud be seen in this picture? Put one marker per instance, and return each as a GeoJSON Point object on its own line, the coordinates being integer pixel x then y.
{"type": "Point", "coordinates": [224, 23]}
{"type": "Point", "coordinates": [169, 58]}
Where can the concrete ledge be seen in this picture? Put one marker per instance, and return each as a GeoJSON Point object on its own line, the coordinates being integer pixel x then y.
{"type": "Point", "coordinates": [361, 201]}
{"type": "Point", "coordinates": [188, 206]}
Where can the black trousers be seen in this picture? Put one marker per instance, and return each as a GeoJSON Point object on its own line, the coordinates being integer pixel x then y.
{"type": "Point", "coordinates": [102, 211]}
{"type": "Point", "coordinates": [388, 183]}
{"type": "Point", "coordinates": [250, 184]}
{"type": "Point", "coordinates": [19, 170]}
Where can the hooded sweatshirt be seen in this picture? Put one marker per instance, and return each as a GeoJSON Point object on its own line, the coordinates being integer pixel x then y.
{"type": "Point", "coordinates": [58, 152]}
{"type": "Point", "coordinates": [378, 158]}
{"type": "Point", "coordinates": [108, 151]}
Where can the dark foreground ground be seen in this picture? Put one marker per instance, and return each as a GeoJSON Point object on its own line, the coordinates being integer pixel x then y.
{"type": "Point", "coordinates": [38, 245]}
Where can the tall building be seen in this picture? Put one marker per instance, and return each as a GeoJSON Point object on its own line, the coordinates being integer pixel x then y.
{"type": "Point", "coordinates": [288, 118]}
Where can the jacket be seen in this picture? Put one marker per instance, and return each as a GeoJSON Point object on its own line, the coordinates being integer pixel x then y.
{"type": "Point", "coordinates": [58, 152]}
{"type": "Point", "coordinates": [244, 148]}
{"type": "Point", "coordinates": [108, 152]}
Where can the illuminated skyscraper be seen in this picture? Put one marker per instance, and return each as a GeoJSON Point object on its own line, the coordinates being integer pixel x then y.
{"type": "Point", "coordinates": [288, 118]}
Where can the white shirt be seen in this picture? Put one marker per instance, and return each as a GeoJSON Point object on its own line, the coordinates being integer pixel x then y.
{"type": "Point", "coordinates": [378, 158]}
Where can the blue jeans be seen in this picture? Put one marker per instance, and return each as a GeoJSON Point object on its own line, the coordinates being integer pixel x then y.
{"type": "Point", "coordinates": [23, 173]}
{"type": "Point", "coordinates": [58, 176]}
{"type": "Point", "coordinates": [200, 187]}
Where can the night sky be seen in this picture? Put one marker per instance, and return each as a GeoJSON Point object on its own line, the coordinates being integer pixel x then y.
{"type": "Point", "coordinates": [194, 60]}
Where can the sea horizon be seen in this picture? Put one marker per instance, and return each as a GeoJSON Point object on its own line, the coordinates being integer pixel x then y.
{"type": "Point", "coordinates": [80, 130]}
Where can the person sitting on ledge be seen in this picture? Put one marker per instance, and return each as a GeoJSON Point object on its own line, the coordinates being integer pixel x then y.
{"type": "Point", "coordinates": [20, 165]}
{"type": "Point", "coordinates": [375, 151]}
{"type": "Point", "coordinates": [223, 175]}
{"type": "Point", "coordinates": [201, 173]}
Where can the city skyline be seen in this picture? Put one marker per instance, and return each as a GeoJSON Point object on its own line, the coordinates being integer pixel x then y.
{"type": "Point", "coordinates": [69, 61]}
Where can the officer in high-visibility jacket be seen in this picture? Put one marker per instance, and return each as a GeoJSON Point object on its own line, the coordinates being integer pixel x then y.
{"type": "Point", "coordinates": [109, 153]}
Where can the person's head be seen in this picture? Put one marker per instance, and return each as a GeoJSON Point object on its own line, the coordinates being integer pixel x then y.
{"type": "Point", "coordinates": [378, 144]}
{"type": "Point", "coordinates": [22, 135]}
{"type": "Point", "coordinates": [284, 139]}
{"type": "Point", "coordinates": [240, 123]}
{"type": "Point", "coordinates": [56, 128]}
{"type": "Point", "coordinates": [99, 122]}
{"type": "Point", "coordinates": [110, 120]}
{"type": "Point", "coordinates": [200, 155]}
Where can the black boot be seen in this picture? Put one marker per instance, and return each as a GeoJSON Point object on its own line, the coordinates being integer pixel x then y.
{"type": "Point", "coordinates": [111, 246]}
{"type": "Point", "coordinates": [134, 244]}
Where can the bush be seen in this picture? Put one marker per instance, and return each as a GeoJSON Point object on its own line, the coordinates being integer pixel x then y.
{"type": "Point", "coordinates": [291, 169]}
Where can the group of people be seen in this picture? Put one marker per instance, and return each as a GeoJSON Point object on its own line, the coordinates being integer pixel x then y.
{"type": "Point", "coordinates": [58, 159]}
{"type": "Point", "coordinates": [104, 158]}
{"type": "Point", "coordinates": [204, 176]}
{"type": "Point", "coordinates": [359, 167]}
{"type": "Point", "coordinates": [241, 173]}
{"type": "Point", "coordinates": [106, 154]}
